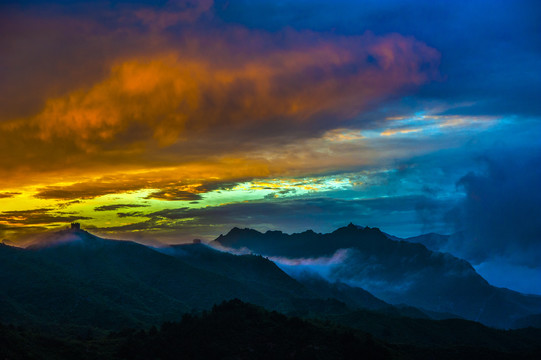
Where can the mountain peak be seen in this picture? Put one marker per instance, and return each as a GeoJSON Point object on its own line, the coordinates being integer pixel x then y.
{"type": "Point", "coordinates": [72, 235]}
{"type": "Point", "coordinates": [238, 231]}
{"type": "Point", "coordinates": [354, 228]}
{"type": "Point", "coordinates": [234, 230]}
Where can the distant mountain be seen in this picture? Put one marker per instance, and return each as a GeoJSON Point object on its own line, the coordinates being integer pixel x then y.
{"type": "Point", "coordinates": [395, 271]}
{"type": "Point", "coordinates": [432, 241]}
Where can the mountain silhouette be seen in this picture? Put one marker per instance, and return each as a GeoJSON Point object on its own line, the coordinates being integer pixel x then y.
{"type": "Point", "coordinates": [89, 281]}
{"type": "Point", "coordinates": [73, 288]}
{"type": "Point", "coordinates": [76, 278]}
{"type": "Point", "coordinates": [73, 280]}
{"type": "Point", "coordinates": [398, 272]}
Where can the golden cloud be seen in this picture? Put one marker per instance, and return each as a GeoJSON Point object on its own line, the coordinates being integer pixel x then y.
{"type": "Point", "coordinates": [182, 115]}
{"type": "Point", "coordinates": [156, 101]}
{"type": "Point", "coordinates": [174, 183]}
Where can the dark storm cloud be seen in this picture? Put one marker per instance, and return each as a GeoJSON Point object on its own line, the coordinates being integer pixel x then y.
{"type": "Point", "coordinates": [194, 193]}
{"type": "Point", "coordinates": [38, 216]}
{"type": "Point", "coordinates": [63, 205]}
{"type": "Point", "coordinates": [118, 206]}
{"type": "Point", "coordinates": [287, 212]}
{"type": "Point", "coordinates": [4, 195]}
{"type": "Point", "coordinates": [500, 214]}
{"type": "Point", "coordinates": [174, 195]}
{"type": "Point", "coordinates": [130, 214]}
{"type": "Point", "coordinates": [54, 192]}
{"type": "Point", "coordinates": [170, 188]}
{"type": "Point", "coordinates": [8, 227]}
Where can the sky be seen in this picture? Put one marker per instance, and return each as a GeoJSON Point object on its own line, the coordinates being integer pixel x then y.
{"type": "Point", "coordinates": [166, 121]}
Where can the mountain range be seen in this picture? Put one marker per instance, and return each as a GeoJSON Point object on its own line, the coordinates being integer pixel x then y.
{"type": "Point", "coordinates": [73, 277]}
{"type": "Point", "coordinates": [73, 283]}
{"type": "Point", "coordinates": [396, 271]}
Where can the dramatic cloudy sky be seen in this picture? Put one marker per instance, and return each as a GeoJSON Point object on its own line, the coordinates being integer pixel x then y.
{"type": "Point", "coordinates": [169, 120]}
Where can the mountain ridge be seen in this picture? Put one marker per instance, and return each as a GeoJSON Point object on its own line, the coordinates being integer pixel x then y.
{"type": "Point", "coordinates": [140, 284]}
{"type": "Point", "coordinates": [106, 283]}
{"type": "Point", "coordinates": [396, 271]}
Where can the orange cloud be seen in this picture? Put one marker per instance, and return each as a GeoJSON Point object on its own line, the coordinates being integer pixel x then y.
{"type": "Point", "coordinates": [172, 97]}
{"type": "Point", "coordinates": [42, 216]}
{"type": "Point", "coordinates": [178, 183]}
{"type": "Point", "coordinates": [130, 105]}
